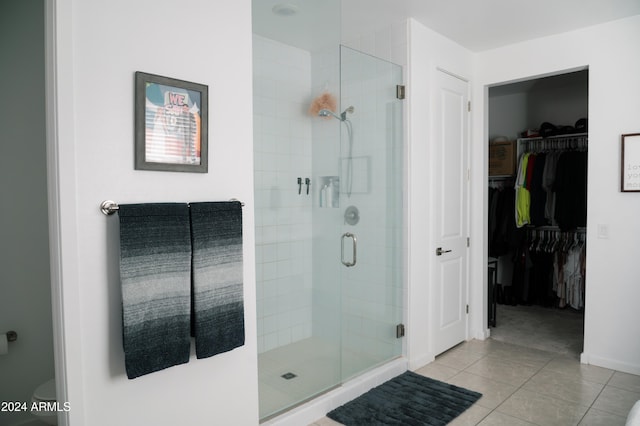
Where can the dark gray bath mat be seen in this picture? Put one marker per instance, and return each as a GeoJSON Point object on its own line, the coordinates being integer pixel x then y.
{"type": "Point", "coordinates": [408, 400]}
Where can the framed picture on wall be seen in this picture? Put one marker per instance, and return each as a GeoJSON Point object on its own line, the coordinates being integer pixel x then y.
{"type": "Point", "coordinates": [630, 179]}
{"type": "Point", "coordinates": [171, 124]}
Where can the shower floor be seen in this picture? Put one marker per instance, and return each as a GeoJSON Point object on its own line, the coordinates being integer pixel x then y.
{"type": "Point", "coordinates": [316, 364]}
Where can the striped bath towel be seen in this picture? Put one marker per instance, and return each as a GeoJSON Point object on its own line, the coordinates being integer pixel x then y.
{"type": "Point", "coordinates": [217, 295]}
{"type": "Point", "coordinates": [155, 267]}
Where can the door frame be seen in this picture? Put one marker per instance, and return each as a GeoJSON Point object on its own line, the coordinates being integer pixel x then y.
{"type": "Point", "coordinates": [480, 304]}
{"type": "Point", "coordinates": [419, 212]}
{"type": "Point", "coordinates": [61, 192]}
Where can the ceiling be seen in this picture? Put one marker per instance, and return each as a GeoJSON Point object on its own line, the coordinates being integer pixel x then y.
{"type": "Point", "coordinates": [477, 25]}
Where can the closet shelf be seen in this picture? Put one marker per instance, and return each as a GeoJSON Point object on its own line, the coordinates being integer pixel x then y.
{"type": "Point", "coordinates": [530, 227]}
{"type": "Point", "coordinates": [572, 142]}
{"type": "Point", "coordinates": [572, 135]}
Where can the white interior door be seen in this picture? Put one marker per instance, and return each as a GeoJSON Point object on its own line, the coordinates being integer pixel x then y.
{"type": "Point", "coordinates": [449, 295]}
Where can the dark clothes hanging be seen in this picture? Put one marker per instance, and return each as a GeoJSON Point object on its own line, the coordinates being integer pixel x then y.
{"type": "Point", "coordinates": [557, 183]}
{"type": "Point", "coordinates": [529, 173]}
{"type": "Point", "coordinates": [493, 218]}
{"type": "Point", "coordinates": [538, 194]}
{"type": "Point", "coordinates": [504, 235]}
{"type": "Point", "coordinates": [571, 190]}
{"type": "Point", "coordinates": [519, 290]}
{"type": "Point", "coordinates": [541, 288]}
{"type": "Point", "coordinates": [549, 270]}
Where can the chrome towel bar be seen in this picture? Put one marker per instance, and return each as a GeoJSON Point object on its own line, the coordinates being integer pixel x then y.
{"type": "Point", "coordinates": [109, 207]}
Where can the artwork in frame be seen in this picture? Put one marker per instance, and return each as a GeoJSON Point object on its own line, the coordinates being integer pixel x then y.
{"type": "Point", "coordinates": [171, 124]}
{"type": "Point", "coordinates": [630, 167]}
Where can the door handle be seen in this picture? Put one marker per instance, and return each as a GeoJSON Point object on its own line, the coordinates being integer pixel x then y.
{"type": "Point", "coordinates": [440, 252]}
{"type": "Point", "coordinates": [353, 237]}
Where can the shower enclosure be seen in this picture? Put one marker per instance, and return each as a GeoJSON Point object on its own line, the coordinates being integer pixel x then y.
{"type": "Point", "coordinates": [328, 217]}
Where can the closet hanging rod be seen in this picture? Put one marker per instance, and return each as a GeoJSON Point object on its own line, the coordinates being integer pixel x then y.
{"type": "Point", "coordinates": [109, 207]}
{"type": "Point", "coordinates": [556, 137]}
{"type": "Point", "coordinates": [554, 228]}
{"type": "Point", "coordinates": [554, 143]}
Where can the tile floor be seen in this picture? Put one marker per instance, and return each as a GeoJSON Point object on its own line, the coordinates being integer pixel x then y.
{"type": "Point", "coordinates": [528, 386]}
{"type": "Point", "coordinates": [548, 329]}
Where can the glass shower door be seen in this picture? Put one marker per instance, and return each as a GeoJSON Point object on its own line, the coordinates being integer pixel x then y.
{"type": "Point", "coordinates": [371, 182]}
{"type": "Point", "coordinates": [328, 220]}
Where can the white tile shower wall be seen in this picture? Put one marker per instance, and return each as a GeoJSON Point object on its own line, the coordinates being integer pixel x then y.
{"type": "Point", "coordinates": [388, 43]}
{"type": "Point", "coordinates": [327, 221]}
{"type": "Point", "coordinates": [282, 153]}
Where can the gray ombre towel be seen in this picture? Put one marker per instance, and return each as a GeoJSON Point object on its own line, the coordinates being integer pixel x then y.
{"type": "Point", "coordinates": [155, 267]}
{"type": "Point", "coordinates": [218, 307]}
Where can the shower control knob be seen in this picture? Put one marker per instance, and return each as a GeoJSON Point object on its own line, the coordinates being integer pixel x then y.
{"type": "Point", "coordinates": [351, 215]}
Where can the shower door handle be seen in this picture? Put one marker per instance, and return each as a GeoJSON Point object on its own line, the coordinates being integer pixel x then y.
{"type": "Point", "coordinates": [353, 237]}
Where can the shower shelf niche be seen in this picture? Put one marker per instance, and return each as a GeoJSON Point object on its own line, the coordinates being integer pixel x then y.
{"type": "Point", "coordinates": [329, 191]}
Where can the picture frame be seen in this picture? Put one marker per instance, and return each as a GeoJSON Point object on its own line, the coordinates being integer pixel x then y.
{"type": "Point", "coordinates": [171, 124]}
{"type": "Point", "coordinates": [630, 164]}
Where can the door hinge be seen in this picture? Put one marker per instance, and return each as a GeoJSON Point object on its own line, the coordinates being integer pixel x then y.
{"type": "Point", "coordinates": [468, 241]}
{"type": "Point", "coordinates": [400, 91]}
{"type": "Point", "coordinates": [400, 331]}
{"type": "Point", "coordinates": [469, 106]}
{"type": "Point", "coordinates": [467, 308]}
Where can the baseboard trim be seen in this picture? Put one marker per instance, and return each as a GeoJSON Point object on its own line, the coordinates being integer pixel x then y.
{"type": "Point", "coordinates": [420, 362]}
{"type": "Point", "coordinates": [612, 364]}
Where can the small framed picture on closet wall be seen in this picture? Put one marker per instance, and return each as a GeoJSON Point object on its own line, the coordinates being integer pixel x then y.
{"type": "Point", "coordinates": [630, 179]}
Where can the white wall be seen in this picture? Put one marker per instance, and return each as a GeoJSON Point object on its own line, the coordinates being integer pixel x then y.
{"type": "Point", "coordinates": [388, 42]}
{"type": "Point", "coordinates": [428, 52]}
{"type": "Point", "coordinates": [508, 115]}
{"type": "Point", "coordinates": [99, 47]}
{"type": "Point", "coordinates": [612, 331]}
{"type": "Point", "coordinates": [561, 100]}
{"type": "Point", "coordinates": [25, 300]}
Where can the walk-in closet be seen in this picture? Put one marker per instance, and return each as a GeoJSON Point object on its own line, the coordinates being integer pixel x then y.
{"type": "Point", "coordinates": [537, 211]}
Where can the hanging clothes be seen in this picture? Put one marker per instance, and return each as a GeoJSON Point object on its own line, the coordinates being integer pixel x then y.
{"type": "Point", "coordinates": [548, 181]}
{"type": "Point", "coordinates": [571, 190]}
{"type": "Point", "coordinates": [574, 277]}
{"type": "Point", "coordinates": [538, 194]}
{"type": "Point", "coordinates": [549, 192]}
{"type": "Point", "coordinates": [503, 236]}
{"type": "Point", "coordinates": [523, 197]}
{"type": "Point", "coordinates": [493, 216]}
{"type": "Point", "coordinates": [551, 185]}
{"type": "Point", "coordinates": [550, 269]}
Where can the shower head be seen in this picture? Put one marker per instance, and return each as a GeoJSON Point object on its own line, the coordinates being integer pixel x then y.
{"type": "Point", "coordinates": [327, 113]}
{"type": "Point", "coordinates": [341, 117]}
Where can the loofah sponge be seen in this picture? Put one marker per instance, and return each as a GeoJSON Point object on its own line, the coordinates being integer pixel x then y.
{"type": "Point", "coordinates": [325, 101]}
